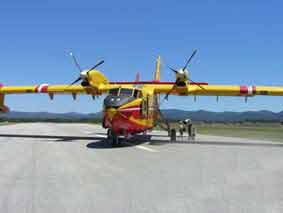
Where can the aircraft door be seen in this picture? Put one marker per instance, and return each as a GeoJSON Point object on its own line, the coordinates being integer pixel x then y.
{"type": "Point", "coordinates": [144, 107]}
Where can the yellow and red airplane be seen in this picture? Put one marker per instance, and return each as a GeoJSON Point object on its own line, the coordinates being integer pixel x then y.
{"type": "Point", "coordinates": [133, 107]}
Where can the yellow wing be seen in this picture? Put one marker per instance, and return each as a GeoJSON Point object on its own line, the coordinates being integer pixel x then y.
{"type": "Point", "coordinates": [97, 82]}
{"type": "Point", "coordinates": [51, 90]}
{"type": "Point", "coordinates": [97, 85]}
{"type": "Point", "coordinates": [217, 90]}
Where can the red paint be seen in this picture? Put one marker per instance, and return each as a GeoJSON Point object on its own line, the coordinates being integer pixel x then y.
{"type": "Point", "coordinates": [199, 83]}
{"type": "Point", "coordinates": [133, 111]}
{"type": "Point", "coordinates": [44, 89]}
{"type": "Point", "coordinates": [122, 125]}
{"type": "Point", "coordinates": [243, 90]}
{"type": "Point", "coordinates": [254, 89]}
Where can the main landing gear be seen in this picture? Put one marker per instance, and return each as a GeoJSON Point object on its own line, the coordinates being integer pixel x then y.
{"type": "Point", "coordinates": [191, 135]}
{"type": "Point", "coordinates": [113, 138]}
{"type": "Point", "coordinates": [172, 135]}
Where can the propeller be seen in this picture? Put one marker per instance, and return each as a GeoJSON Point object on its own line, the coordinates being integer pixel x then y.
{"type": "Point", "coordinates": [188, 62]}
{"type": "Point", "coordinates": [76, 62]}
{"type": "Point", "coordinates": [182, 75]}
{"type": "Point", "coordinates": [83, 74]}
{"type": "Point", "coordinates": [98, 64]}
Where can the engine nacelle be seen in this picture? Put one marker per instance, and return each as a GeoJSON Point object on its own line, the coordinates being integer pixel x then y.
{"type": "Point", "coordinates": [93, 78]}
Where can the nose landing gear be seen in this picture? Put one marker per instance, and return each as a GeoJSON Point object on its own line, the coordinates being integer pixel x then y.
{"type": "Point", "coordinates": [113, 138]}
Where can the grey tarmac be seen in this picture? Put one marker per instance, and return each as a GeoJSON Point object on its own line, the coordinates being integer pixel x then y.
{"type": "Point", "coordinates": [47, 167]}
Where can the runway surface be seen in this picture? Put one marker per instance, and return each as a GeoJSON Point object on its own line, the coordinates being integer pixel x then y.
{"type": "Point", "coordinates": [46, 167]}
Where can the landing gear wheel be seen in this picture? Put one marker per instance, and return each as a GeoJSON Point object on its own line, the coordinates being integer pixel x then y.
{"type": "Point", "coordinates": [113, 138]}
{"type": "Point", "coordinates": [173, 135]}
{"type": "Point", "coordinates": [109, 134]}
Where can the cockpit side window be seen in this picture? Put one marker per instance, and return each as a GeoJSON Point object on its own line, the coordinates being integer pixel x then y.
{"type": "Point", "coordinates": [126, 92]}
{"type": "Point", "coordinates": [114, 91]}
{"type": "Point", "coordinates": [137, 94]}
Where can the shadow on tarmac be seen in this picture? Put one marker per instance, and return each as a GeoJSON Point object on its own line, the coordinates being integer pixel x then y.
{"type": "Point", "coordinates": [58, 137]}
{"type": "Point", "coordinates": [218, 143]}
{"type": "Point", "coordinates": [104, 143]}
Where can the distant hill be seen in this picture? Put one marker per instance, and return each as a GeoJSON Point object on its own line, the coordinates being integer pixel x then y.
{"type": "Point", "coordinates": [47, 116]}
{"type": "Point", "coordinates": [203, 115]}
{"type": "Point", "coordinates": [170, 114]}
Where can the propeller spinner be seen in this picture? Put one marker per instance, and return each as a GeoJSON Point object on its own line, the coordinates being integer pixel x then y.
{"type": "Point", "coordinates": [83, 74]}
{"type": "Point", "coordinates": [182, 76]}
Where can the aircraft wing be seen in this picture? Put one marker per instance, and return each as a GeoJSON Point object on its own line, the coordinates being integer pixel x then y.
{"type": "Point", "coordinates": [54, 89]}
{"type": "Point", "coordinates": [51, 90]}
{"type": "Point", "coordinates": [218, 90]}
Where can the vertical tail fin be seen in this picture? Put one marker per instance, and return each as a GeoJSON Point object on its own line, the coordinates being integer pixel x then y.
{"type": "Point", "coordinates": [138, 78]}
{"type": "Point", "coordinates": [157, 70]}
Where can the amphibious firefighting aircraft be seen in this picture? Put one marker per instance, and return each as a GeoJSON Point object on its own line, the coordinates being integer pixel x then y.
{"type": "Point", "coordinates": [133, 107]}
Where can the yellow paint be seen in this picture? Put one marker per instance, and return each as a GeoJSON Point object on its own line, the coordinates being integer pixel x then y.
{"type": "Point", "coordinates": [99, 84]}
{"type": "Point", "coordinates": [136, 102]}
{"type": "Point", "coordinates": [96, 78]}
{"type": "Point", "coordinates": [111, 112]}
{"type": "Point", "coordinates": [157, 70]}
{"type": "Point", "coordinates": [142, 122]}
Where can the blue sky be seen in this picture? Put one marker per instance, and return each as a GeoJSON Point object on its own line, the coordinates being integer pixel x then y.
{"type": "Point", "coordinates": [239, 42]}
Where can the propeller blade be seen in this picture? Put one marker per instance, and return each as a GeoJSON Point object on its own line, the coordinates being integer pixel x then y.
{"type": "Point", "coordinates": [167, 95]}
{"type": "Point", "coordinates": [76, 62]}
{"type": "Point", "coordinates": [198, 85]}
{"type": "Point", "coordinates": [175, 71]}
{"type": "Point", "coordinates": [98, 64]}
{"type": "Point", "coordinates": [186, 65]}
{"type": "Point", "coordinates": [77, 80]}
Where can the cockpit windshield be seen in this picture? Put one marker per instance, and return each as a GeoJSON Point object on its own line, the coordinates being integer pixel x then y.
{"type": "Point", "coordinates": [114, 92]}
{"type": "Point", "coordinates": [126, 92]}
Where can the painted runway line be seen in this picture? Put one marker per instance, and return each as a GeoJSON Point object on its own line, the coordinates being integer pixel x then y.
{"type": "Point", "coordinates": [142, 147]}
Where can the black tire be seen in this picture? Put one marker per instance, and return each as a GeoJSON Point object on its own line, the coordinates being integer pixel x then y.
{"type": "Point", "coordinates": [109, 134]}
{"type": "Point", "coordinates": [112, 137]}
{"type": "Point", "coordinates": [115, 140]}
{"type": "Point", "coordinates": [173, 135]}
